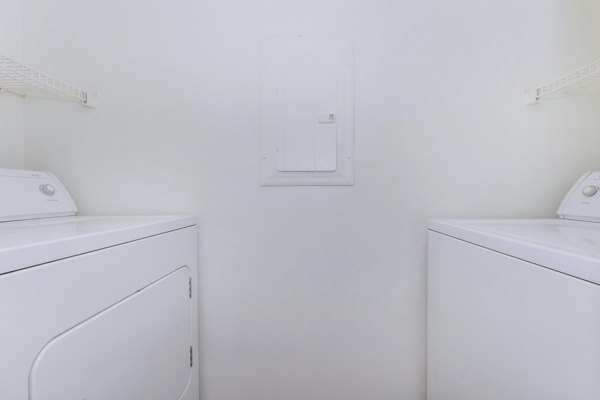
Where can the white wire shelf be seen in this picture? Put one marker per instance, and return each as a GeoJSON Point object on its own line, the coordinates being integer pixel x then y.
{"type": "Point", "coordinates": [585, 80]}
{"type": "Point", "coordinates": [25, 81]}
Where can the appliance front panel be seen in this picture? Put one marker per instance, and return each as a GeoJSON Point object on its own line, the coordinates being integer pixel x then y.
{"type": "Point", "coordinates": [139, 348]}
{"type": "Point", "coordinates": [42, 303]}
{"type": "Point", "coordinates": [501, 328]}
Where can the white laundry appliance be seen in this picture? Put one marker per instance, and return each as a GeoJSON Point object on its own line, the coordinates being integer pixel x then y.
{"type": "Point", "coordinates": [93, 308]}
{"type": "Point", "coordinates": [514, 305]}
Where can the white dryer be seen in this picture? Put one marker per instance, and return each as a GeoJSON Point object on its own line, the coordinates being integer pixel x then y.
{"type": "Point", "coordinates": [93, 308]}
{"type": "Point", "coordinates": [514, 305]}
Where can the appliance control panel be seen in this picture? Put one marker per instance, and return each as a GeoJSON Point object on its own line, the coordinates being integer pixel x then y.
{"type": "Point", "coordinates": [582, 203]}
{"type": "Point", "coordinates": [33, 194]}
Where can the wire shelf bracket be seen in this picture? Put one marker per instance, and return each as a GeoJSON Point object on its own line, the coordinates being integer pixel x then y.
{"type": "Point", "coordinates": [585, 80]}
{"type": "Point", "coordinates": [22, 80]}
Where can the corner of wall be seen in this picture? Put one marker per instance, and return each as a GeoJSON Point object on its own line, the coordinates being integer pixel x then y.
{"type": "Point", "coordinates": [12, 151]}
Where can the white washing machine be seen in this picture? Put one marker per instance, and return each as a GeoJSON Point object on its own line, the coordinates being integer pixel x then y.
{"type": "Point", "coordinates": [93, 308]}
{"type": "Point", "coordinates": [514, 305]}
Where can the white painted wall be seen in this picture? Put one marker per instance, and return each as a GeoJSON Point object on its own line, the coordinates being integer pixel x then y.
{"type": "Point", "coordinates": [11, 107]}
{"type": "Point", "coordinates": [314, 292]}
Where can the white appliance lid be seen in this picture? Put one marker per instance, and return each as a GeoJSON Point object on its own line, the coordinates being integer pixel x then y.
{"type": "Point", "coordinates": [570, 247]}
{"type": "Point", "coordinates": [28, 243]}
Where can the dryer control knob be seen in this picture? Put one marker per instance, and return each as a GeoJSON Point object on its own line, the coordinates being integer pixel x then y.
{"type": "Point", "coordinates": [589, 191]}
{"type": "Point", "coordinates": [48, 190]}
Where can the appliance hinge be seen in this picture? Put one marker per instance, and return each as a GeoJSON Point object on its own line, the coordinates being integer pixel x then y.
{"type": "Point", "coordinates": [190, 288]}
{"type": "Point", "coordinates": [191, 356]}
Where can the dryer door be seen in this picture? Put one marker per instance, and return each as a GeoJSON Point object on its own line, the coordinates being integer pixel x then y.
{"type": "Point", "coordinates": [138, 349]}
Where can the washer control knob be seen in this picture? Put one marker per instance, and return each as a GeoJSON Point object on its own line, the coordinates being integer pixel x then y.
{"type": "Point", "coordinates": [47, 189]}
{"type": "Point", "coordinates": [589, 191]}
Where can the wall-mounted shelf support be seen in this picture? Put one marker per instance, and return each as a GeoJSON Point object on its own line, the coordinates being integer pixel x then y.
{"type": "Point", "coordinates": [583, 80]}
{"type": "Point", "coordinates": [25, 81]}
